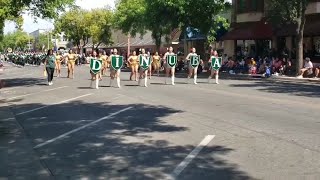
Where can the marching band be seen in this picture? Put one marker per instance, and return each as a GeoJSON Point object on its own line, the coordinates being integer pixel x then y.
{"type": "Point", "coordinates": [141, 65]}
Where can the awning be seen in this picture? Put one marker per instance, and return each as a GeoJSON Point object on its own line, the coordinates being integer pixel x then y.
{"type": "Point", "coordinates": [250, 31]}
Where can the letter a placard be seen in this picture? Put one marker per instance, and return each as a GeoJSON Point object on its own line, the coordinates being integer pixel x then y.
{"type": "Point", "coordinates": [195, 61]}
{"type": "Point", "coordinates": [144, 62]}
{"type": "Point", "coordinates": [116, 62]}
{"type": "Point", "coordinates": [216, 63]}
{"type": "Point", "coordinates": [95, 65]}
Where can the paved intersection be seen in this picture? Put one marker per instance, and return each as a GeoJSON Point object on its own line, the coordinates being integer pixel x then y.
{"type": "Point", "coordinates": [262, 129]}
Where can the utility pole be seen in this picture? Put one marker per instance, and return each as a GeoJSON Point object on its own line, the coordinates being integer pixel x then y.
{"type": "Point", "coordinates": [48, 39]}
{"type": "Point", "coordinates": [128, 45]}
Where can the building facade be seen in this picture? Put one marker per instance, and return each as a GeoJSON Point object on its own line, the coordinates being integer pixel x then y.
{"type": "Point", "coordinates": [251, 33]}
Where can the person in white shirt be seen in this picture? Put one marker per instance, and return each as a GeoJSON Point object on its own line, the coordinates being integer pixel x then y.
{"type": "Point", "coordinates": [308, 66]}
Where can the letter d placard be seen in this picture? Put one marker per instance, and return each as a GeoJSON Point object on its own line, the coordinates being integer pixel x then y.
{"type": "Point", "coordinates": [95, 65]}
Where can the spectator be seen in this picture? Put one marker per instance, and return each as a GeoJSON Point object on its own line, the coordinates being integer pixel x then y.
{"type": "Point", "coordinates": [317, 72]}
{"type": "Point", "coordinates": [307, 68]}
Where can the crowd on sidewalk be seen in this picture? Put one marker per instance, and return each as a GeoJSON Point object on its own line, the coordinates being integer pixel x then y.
{"type": "Point", "coordinates": [269, 66]}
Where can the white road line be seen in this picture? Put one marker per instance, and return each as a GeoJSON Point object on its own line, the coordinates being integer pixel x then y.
{"type": "Point", "coordinates": [191, 156]}
{"type": "Point", "coordinates": [80, 128]}
{"type": "Point", "coordinates": [36, 109]}
{"type": "Point", "coordinates": [8, 99]}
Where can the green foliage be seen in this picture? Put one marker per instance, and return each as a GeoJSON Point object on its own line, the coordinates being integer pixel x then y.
{"type": "Point", "coordinates": [12, 9]}
{"type": "Point", "coordinates": [211, 36]}
{"type": "Point", "coordinates": [286, 12]}
{"type": "Point", "coordinates": [163, 16]}
{"type": "Point", "coordinates": [42, 41]}
{"type": "Point", "coordinates": [80, 25]}
{"type": "Point", "coordinates": [15, 40]}
{"type": "Point", "coordinates": [74, 24]}
{"type": "Point", "coordinates": [130, 16]}
{"type": "Point", "coordinates": [100, 25]}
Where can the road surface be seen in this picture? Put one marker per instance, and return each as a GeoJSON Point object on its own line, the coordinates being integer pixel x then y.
{"type": "Point", "coordinates": [240, 129]}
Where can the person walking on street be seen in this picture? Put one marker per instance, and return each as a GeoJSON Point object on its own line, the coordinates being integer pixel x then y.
{"type": "Point", "coordinates": [50, 64]}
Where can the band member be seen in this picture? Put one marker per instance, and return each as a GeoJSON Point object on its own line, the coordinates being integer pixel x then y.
{"type": "Point", "coordinates": [143, 72]}
{"type": "Point", "coordinates": [192, 70]}
{"type": "Point", "coordinates": [214, 53]}
{"type": "Point", "coordinates": [104, 59]}
{"type": "Point", "coordinates": [49, 64]}
{"type": "Point", "coordinates": [71, 58]}
{"type": "Point", "coordinates": [59, 60]}
{"type": "Point", "coordinates": [134, 65]}
{"type": "Point", "coordinates": [113, 72]}
{"type": "Point", "coordinates": [169, 68]}
{"type": "Point", "coordinates": [156, 64]}
{"type": "Point", "coordinates": [96, 76]}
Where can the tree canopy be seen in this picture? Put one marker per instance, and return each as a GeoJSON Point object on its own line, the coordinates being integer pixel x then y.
{"type": "Point", "coordinates": [163, 16]}
{"type": "Point", "coordinates": [17, 40]}
{"type": "Point", "coordinates": [79, 25]}
{"type": "Point", "coordinates": [290, 12]}
{"type": "Point", "coordinates": [12, 9]}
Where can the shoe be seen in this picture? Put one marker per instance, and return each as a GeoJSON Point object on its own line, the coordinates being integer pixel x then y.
{"type": "Point", "coordinates": [300, 77]}
{"type": "Point", "coordinates": [217, 83]}
{"type": "Point", "coordinates": [195, 83]}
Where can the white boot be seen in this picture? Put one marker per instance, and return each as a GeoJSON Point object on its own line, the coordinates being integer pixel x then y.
{"type": "Point", "coordinates": [195, 79]}
{"type": "Point", "coordinates": [209, 79]}
{"type": "Point", "coordinates": [118, 82]}
{"type": "Point", "coordinates": [111, 82]}
{"type": "Point", "coordinates": [97, 83]}
{"type": "Point", "coordinates": [139, 81]}
{"type": "Point", "coordinates": [217, 79]}
{"type": "Point", "coordinates": [188, 79]}
{"type": "Point", "coordinates": [172, 80]}
{"type": "Point", "coordinates": [91, 83]}
{"type": "Point", "coordinates": [145, 82]}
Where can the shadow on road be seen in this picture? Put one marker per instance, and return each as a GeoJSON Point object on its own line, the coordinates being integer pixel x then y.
{"type": "Point", "coordinates": [141, 143]}
{"type": "Point", "coordinates": [24, 82]}
{"type": "Point", "coordinates": [308, 89]}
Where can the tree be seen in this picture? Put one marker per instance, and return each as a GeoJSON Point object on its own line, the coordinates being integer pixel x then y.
{"type": "Point", "coordinates": [130, 16]}
{"type": "Point", "coordinates": [161, 17]}
{"type": "Point", "coordinates": [17, 40]}
{"type": "Point", "coordinates": [290, 12]}
{"type": "Point", "coordinates": [100, 26]}
{"type": "Point", "coordinates": [76, 25]}
{"type": "Point", "coordinates": [12, 9]}
{"type": "Point", "coordinates": [79, 25]}
{"type": "Point", "coordinates": [41, 42]}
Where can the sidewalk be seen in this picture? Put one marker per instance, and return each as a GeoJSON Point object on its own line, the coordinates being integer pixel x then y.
{"type": "Point", "coordinates": [18, 159]}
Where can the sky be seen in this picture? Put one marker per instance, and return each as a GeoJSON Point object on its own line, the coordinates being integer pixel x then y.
{"type": "Point", "coordinates": [29, 25]}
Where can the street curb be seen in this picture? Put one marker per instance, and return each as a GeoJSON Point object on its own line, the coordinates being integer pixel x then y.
{"type": "Point", "coordinates": [18, 159]}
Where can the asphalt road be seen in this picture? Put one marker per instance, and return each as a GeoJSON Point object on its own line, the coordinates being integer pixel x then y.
{"type": "Point", "coordinates": [240, 129]}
